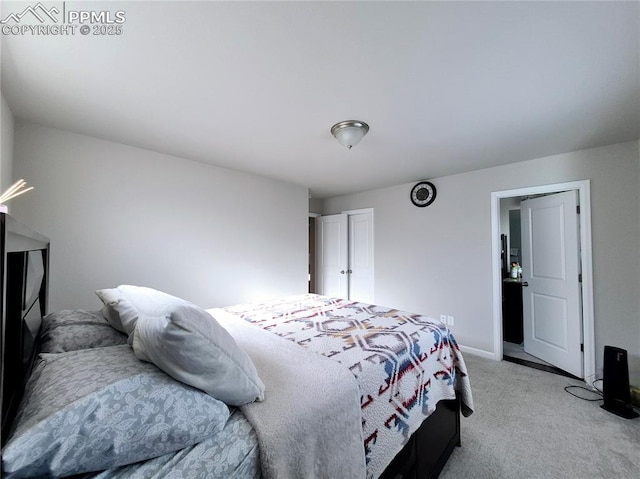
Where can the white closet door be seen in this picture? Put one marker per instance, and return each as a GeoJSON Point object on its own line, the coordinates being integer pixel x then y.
{"type": "Point", "coordinates": [332, 255]}
{"type": "Point", "coordinates": [361, 257]}
{"type": "Point", "coordinates": [344, 256]}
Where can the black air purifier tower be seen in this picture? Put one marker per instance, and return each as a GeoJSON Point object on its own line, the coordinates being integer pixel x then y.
{"type": "Point", "coordinates": [615, 389]}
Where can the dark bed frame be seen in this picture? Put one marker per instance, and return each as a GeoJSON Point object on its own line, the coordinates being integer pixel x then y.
{"type": "Point", "coordinates": [24, 302]}
{"type": "Point", "coordinates": [24, 279]}
{"type": "Point", "coordinates": [430, 446]}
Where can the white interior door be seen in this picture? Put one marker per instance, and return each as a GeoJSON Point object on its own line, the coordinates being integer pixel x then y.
{"type": "Point", "coordinates": [332, 253]}
{"type": "Point", "coordinates": [551, 267]}
{"type": "Point", "coordinates": [361, 257]}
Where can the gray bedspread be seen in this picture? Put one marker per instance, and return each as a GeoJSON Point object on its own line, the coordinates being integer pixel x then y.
{"type": "Point", "coordinates": [233, 453]}
{"type": "Point", "coordinates": [309, 425]}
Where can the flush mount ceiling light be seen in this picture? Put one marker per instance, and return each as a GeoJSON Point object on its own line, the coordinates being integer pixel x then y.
{"type": "Point", "coordinates": [350, 132]}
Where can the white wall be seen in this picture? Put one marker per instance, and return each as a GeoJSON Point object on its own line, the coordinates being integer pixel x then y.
{"type": "Point", "coordinates": [315, 205]}
{"type": "Point", "coordinates": [438, 259]}
{"type": "Point", "coordinates": [6, 145]}
{"type": "Point", "coordinates": [117, 214]}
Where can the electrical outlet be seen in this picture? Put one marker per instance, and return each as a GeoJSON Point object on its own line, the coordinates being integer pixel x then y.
{"type": "Point", "coordinates": [443, 318]}
{"type": "Point", "coordinates": [450, 320]}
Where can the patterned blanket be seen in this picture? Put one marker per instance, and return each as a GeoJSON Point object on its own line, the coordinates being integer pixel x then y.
{"type": "Point", "coordinates": [404, 363]}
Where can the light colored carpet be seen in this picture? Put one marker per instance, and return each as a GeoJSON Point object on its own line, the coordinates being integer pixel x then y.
{"type": "Point", "coordinates": [526, 426]}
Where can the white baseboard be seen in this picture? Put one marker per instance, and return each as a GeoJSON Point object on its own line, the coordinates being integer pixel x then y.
{"type": "Point", "coordinates": [478, 352]}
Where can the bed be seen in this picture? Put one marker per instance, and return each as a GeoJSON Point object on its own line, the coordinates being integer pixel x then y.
{"type": "Point", "coordinates": [310, 386]}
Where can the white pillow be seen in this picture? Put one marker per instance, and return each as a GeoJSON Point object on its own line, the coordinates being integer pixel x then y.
{"type": "Point", "coordinates": [184, 341]}
{"type": "Point", "coordinates": [124, 305]}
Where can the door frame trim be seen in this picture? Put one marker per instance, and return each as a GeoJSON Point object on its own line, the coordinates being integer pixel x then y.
{"type": "Point", "coordinates": [358, 211]}
{"type": "Point", "coordinates": [588, 325]}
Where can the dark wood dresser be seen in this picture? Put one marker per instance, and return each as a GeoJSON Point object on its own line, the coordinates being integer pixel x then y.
{"type": "Point", "coordinates": [512, 327]}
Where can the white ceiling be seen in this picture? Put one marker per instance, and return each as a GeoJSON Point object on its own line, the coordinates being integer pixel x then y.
{"type": "Point", "coordinates": [446, 87]}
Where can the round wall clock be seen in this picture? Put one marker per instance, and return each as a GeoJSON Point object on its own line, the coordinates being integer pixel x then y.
{"type": "Point", "coordinates": [423, 193]}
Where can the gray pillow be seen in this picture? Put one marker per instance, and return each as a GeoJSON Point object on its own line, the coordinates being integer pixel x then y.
{"type": "Point", "coordinates": [190, 345]}
{"type": "Point", "coordinates": [94, 409]}
{"type": "Point", "coordinates": [70, 330]}
{"type": "Point", "coordinates": [184, 341]}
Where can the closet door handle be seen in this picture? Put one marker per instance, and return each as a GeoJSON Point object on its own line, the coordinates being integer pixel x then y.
{"type": "Point", "coordinates": [525, 284]}
{"type": "Point", "coordinates": [342, 272]}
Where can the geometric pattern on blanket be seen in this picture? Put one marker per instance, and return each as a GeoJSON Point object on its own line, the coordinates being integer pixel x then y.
{"type": "Point", "coordinates": [404, 363]}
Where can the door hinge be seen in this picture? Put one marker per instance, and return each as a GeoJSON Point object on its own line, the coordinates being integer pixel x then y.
{"type": "Point", "coordinates": [578, 209]}
{"type": "Point", "coordinates": [582, 347]}
{"type": "Point", "coordinates": [579, 277]}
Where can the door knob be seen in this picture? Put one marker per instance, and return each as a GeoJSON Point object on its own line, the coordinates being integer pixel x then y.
{"type": "Point", "coordinates": [342, 272]}
{"type": "Point", "coordinates": [525, 284]}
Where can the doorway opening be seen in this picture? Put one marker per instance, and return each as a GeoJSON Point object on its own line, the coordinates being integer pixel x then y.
{"type": "Point", "coordinates": [311, 279]}
{"type": "Point", "coordinates": [503, 350]}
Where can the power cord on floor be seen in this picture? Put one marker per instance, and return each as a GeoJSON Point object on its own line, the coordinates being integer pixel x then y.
{"type": "Point", "coordinates": [597, 391]}
{"type": "Point", "coordinates": [593, 385]}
